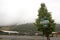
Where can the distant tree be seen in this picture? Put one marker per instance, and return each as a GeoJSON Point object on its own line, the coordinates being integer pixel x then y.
{"type": "Point", "coordinates": [43, 17]}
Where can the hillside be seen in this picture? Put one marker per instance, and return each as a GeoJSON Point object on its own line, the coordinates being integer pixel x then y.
{"type": "Point", "coordinates": [29, 27]}
{"type": "Point", "coordinates": [25, 28]}
{"type": "Point", "coordinates": [57, 28]}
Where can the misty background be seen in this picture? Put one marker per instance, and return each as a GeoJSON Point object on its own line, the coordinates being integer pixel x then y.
{"type": "Point", "coordinates": [25, 11]}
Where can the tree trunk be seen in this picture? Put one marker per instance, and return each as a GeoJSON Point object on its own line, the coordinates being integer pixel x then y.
{"type": "Point", "coordinates": [48, 37]}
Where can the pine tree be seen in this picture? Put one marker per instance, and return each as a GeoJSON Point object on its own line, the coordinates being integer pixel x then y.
{"type": "Point", "coordinates": [43, 15]}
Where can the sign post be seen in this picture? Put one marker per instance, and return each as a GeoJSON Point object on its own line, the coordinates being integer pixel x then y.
{"type": "Point", "coordinates": [44, 22]}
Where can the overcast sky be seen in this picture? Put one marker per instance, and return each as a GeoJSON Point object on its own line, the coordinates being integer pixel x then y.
{"type": "Point", "coordinates": [25, 11]}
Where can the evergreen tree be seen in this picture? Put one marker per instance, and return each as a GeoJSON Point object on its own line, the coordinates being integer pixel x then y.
{"type": "Point", "coordinates": [43, 15]}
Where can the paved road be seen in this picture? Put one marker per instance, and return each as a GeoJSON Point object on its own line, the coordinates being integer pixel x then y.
{"type": "Point", "coordinates": [26, 38]}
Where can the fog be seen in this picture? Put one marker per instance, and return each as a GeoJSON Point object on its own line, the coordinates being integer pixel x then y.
{"type": "Point", "coordinates": [25, 11]}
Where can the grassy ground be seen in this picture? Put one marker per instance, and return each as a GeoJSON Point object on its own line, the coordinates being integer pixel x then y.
{"type": "Point", "coordinates": [6, 37]}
